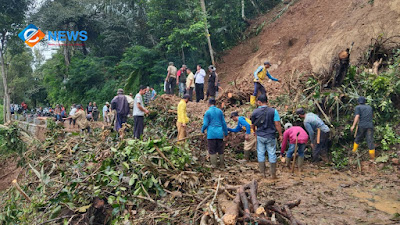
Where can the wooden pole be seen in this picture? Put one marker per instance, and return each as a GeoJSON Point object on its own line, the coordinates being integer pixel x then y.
{"type": "Point", "coordinates": [164, 157]}
{"type": "Point", "coordinates": [15, 183]}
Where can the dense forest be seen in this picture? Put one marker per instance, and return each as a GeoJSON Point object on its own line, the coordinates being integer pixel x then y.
{"type": "Point", "coordinates": [129, 43]}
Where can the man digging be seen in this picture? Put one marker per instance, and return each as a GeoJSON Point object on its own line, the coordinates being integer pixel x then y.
{"type": "Point", "coordinates": [250, 140]}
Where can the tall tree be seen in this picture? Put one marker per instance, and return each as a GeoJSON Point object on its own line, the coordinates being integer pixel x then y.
{"type": "Point", "coordinates": [12, 14]}
{"type": "Point", "coordinates": [203, 7]}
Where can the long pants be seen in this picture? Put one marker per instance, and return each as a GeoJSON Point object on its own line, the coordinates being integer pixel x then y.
{"type": "Point", "coordinates": [211, 90]}
{"type": "Point", "coordinates": [369, 134]}
{"type": "Point", "coordinates": [216, 146]}
{"type": "Point", "coordinates": [199, 92]}
{"type": "Point", "coordinates": [321, 148]}
{"type": "Point", "coordinates": [258, 87]}
{"type": "Point", "coordinates": [300, 150]}
{"type": "Point", "coordinates": [266, 145]}
{"type": "Point", "coordinates": [181, 131]}
{"type": "Point", "coordinates": [251, 144]}
{"type": "Point", "coordinates": [190, 92]}
{"type": "Point", "coordinates": [119, 121]}
{"type": "Point", "coordinates": [182, 89]}
{"type": "Point", "coordinates": [138, 126]}
{"type": "Point", "coordinates": [170, 89]}
{"type": "Point", "coordinates": [72, 121]}
{"type": "Point", "coordinates": [342, 72]}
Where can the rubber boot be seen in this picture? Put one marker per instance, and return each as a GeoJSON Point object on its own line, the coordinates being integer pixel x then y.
{"type": "Point", "coordinates": [288, 162]}
{"type": "Point", "coordinates": [273, 171]}
{"type": "Point", "coordinates": [300, 162]}
{"type": "Point", "coordinates": [247, 156]}
{"type": "Point", "coordinates": [261, 165]}
{"type": "Point", "coordinates": [252, 100]}
{"type": "Point", "coordinates": [372, 154]}
{"type": "Point", "coordinates": [213, 160]}
{"type": "Point", "coordinates": [355, 147]}
{"type": "Point", "coordinates": [222, 161]}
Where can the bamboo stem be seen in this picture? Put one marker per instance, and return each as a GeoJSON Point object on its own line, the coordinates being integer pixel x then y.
{"type": "Point", "coordinates": [15, 183]}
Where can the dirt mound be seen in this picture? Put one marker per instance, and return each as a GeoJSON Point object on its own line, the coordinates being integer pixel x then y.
{"type": "Point", "coordinates": [8, 172]}
{"type": "Point", "coordinates": [308, 36]}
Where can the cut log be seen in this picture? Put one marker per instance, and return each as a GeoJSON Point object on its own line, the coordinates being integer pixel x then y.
{"type": "Point", "coordinates": [245, 203]}
{"type": "Point", "coordinates": [231, 210]}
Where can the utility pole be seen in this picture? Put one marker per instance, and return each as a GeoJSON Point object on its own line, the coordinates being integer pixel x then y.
{"type": "Point", "coordinates": [203, 7]}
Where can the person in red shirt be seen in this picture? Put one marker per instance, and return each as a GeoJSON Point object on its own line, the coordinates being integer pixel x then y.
{"type": "Point", "coordinates": [290, 135]}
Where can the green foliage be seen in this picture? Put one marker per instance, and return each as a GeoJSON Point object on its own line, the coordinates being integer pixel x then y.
{"type": "Point", "coordinates": [10, 141]}
{"type": "Point", "coordinates": [387, 136]}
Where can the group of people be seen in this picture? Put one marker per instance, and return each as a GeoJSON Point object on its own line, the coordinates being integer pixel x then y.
{"type": "Point", "coordinates": [187, 82]}
{"type": "Point", "coordinates": [264, 125]}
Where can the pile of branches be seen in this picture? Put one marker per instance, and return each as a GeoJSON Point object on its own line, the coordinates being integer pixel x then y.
{"type": "Point", "coordinates": [239, 94]}
{"type": "Point", "coordinates": [244, 207]}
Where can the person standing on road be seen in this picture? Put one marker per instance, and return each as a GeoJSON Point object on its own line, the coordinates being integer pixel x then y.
{"type": "Point", "coordinates": [214, 123]}
{"type": "Point", "coordinates": [89, 108]}
{"type": "Point", "coordinates": [199, 83]}
{"type": "Point", "coordinates": [95, 112]}
{"type": "Point", "coordinates": [171, 79]}
{"type": "Point", "coordinates": [290, 135]}
{"type": "Point", "coordinates": [138, 113]}
{"type": "Point", "coordinates": [363, 115]}
{"type": "Point", "coordinates": [259, 75]}
{"type": "Point", "coordinates": [189, 83]}
{"type": "Point", "coordinates": [147, 96]}
{"type": "Point", "coordinates": [212, 82]}
{"type": "Point", "coordinates": [183, 119]}
{"type": "Point", "coordinates": [121, 105]}
{"type": "Point", "coordinates": [57, 111]}
{"type": "Point", "coordinates": [315, 125]}
{"type": "Point", "coordinates": [267, 121]}
{"type": "Point", "coordinates": [250, 140]}
{"type": "Point", "coordinates": [182, 80]}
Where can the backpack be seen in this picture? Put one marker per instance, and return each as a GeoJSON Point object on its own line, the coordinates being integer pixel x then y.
{"type": "Point", "coordinates": [260, 119]}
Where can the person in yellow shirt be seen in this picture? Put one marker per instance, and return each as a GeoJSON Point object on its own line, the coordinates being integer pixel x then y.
{"type": "Point", "coordinates": [250, 140]}
{"type": "Point", "coordinates": [183, 119]}
{"type": "Point", "coordinates": [189, 83]}
{"type": "Point", "coordinates": [260, 74]}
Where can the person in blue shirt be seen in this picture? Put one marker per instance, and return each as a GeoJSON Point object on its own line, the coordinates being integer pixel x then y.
{"type": "Point", "coordinates": [267, 121]}
{"type": "Point", "coordinates": [244, 124]}
{"type": "Point", "coordinates": [214, 123]}
{"type": "Point", "coordinates": [260, 74]}
{"type": "Point", "coordinates": [313, 123]}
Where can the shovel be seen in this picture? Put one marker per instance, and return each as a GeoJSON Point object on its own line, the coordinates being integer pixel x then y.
{"type": "Point", "coordinates": [295, 152]}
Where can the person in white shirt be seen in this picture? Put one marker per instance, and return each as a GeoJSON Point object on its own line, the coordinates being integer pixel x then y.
{"type": "Point", "coordinates": [138, 113]}
{"type": "Point", "coordinates": [71, 113]}
{"type": "Point", "coordinates": [199, 83]}
{"type": "Point", "coordinates": [106, 118]}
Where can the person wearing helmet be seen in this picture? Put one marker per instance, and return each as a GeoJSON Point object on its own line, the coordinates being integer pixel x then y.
{"type": "Point", "coordinates": [290, 135]}
{"type": "Point", "coordinates": [260, 74]}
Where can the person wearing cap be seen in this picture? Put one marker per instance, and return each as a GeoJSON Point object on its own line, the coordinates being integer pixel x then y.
{"type": "Point", "coordinates": [105, 113]}
{"type": "Point", "coordinates": [290, 135]}
{"type": "Point", "coordinates": [199, 83]}
{"type": "Point", "coordinates": [171, 78]}
{"type": "Point", "coordinates": [313, 125]}
{"type": "Point", "coordinates": [267, 121]}
{"type": "Point", "coordinates": [212, 82]}
{"type": "Point", "coordinates": [244, 124]}
{"type": "Point", "coordinates": [181, 80]}
{"type": "Point", "coordinates": [190, 83]}
{"type": "Point", "coordinates": [138, 113]}
{"type": "Point", "coordinates": [121, 105]}
{"type": "Point", "coordinates": [363, 115]}
{"type": "Point", "coordinates": [260, 74]}
{"type": "Point", "coordinates": [214, 123]}
{"type": "Point", "coordinates": [80, 118]}
{"type": "Point", "coordinates": [183, 119]}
